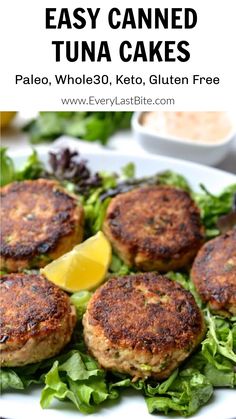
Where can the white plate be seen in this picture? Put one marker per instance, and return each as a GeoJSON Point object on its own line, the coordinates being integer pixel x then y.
{"type": "Point", "coordinates": [222, 405]}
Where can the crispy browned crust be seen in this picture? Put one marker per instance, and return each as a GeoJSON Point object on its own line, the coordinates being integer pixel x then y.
{"type": "Point", "coordinates": [147, 312]}
{"type": "Point", "coordinates": [154, 228]}
{"type": "Point", "coordinates": [30, 307]}
{"type": "Point", "coordinates": [214, 273]}
{"type": "Point", "coordinates": [39, 218]}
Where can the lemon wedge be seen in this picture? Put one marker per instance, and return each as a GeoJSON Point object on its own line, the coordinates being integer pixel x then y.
{"type": "Point", "coordinates": [84, 267]}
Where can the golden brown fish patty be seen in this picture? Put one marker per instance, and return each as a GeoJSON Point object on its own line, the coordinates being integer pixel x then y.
{"type": "Point", "coordinates": [37, 319]}
{"type": "Point", "coordinates": [154, 228]}
{"type": "Point", "coordinates": [143, 324]}
{"type": "Point", "coordinates": [214, 273]}
{"type": "Point", "coordinates": [40, 222]}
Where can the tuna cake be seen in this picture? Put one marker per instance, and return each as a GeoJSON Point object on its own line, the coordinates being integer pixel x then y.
{"type": "Point", "coordinates": [214, 273]}
{"type": "Point", "coordinates": [143, 325]}
{"type": "Point", "coordinates": [154, 228]}
{"type": "Point", "coordinates": [40, 222]}
{"type": "Point", "coordinates": [37, 319]}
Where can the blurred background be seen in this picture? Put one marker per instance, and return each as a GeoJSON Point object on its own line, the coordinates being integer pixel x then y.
{"type": "Point", "coordinates": [204, 137]}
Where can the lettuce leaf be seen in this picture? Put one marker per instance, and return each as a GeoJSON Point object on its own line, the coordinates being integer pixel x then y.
{"type": "Point", "coordinates": [213, 206]}
{"type": "Point", "coordinates": [172, 178]}
{"type": "Point", "coordinates": [128, 171]}
{"type": "Point", "coordinates": [7, 172]}
{"type": "Point", "coordinates": [118, 267]}
{"type": "Point", "coordinates": [214, 365]}
{"type": "Point", "coordinates": [20, 378]}
{"type": "Point", "coordinates": [220, 378]}
{"type": "Point", "coordinates": [32, 169]}
{"type": "Point", "coordinates": [88, 126]}
{"type": "Point", "coordinates": [219, 347]}
{"type": "Point", "coordinates": [10, 379]}
{"type": "Point", "coordinates": [78, 379]}
{"type": "Point", "coordinates": [80, 300]}
{"type": "Point", "coordinates": [184, 392]}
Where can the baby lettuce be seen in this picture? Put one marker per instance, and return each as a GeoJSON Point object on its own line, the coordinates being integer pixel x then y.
{"type": "Point", "coordinates": [184, 392]}
{"type": "Point", "coordinates": [213, 206]}
{"type": "Point", "coordinates": [212, 366]}
{"type": "Point", "coordinates": [88, 126]}
{"type": "Point", "coordinates": [9, 378]}
{"type": "Point", "coordinates": [73, 376]}
{"type": "Point", "coordinates": [80, 300]}
{"type": "Point", "coordinates": [32, 169]}
{"type": "Point", "coordinates": [21, 378]}
{"type": "Point", "coordinates": [7, 172]}
{"type": "Point", "coordinates": [78, 379]}
{"type": "Point", "coordinates": [219, 350]}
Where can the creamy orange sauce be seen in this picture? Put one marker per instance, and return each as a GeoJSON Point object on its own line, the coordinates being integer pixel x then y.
{"type": "Point", "coordinates": [209, 127]}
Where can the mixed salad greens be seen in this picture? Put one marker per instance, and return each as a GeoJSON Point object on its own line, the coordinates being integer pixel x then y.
{"type": "Point", "coordinates": [89, 126]}
{"type": "Point", "coordinates": [74, 375]}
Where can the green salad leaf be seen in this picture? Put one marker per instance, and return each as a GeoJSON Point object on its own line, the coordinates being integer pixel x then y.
{"type": "Point", "coordinates": [95, 212]}
{"type": "Point", "coordinates": [89, 126]}
{"type": "Point", "coordinates": [174, 179]}
{"type": "Point", "coordinates": [128, 171]}
{"type": "Point", "coordinates": [80, 300]}
{"type": "Point", "coordinates": [220, 341]}
{"type": "Point", "coordinates": [184, 392]}
{"type": "Point", "coordinates": [220, 378]}
{"type": "Point", "coordinates": [7, 172]}
{"type": "Point", "coordinates": [213, 206]}
{"type": "Point", "coordinates": [20, 378]}
{"type": "Point", "coordinates": [78, 379]}
{"type": "Point", "coordinates": [216, 358]}
{"type": "Point", "coordinates": [32, 169]}
{"type": "Point", "coordinates": [10, 379]}
{"type": "Point", "coordinates": [118, 267]}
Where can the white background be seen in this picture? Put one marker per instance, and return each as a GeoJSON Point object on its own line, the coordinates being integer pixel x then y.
{"type": "Point", "coordinates": [26, 49]}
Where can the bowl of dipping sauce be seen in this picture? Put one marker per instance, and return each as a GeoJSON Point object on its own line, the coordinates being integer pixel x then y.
{"type": "Point", "coordinates": [203, 137]}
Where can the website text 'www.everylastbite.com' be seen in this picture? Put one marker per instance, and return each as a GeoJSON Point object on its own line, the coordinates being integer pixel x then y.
{"type": "Point", "coordinates": [117, 101]}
